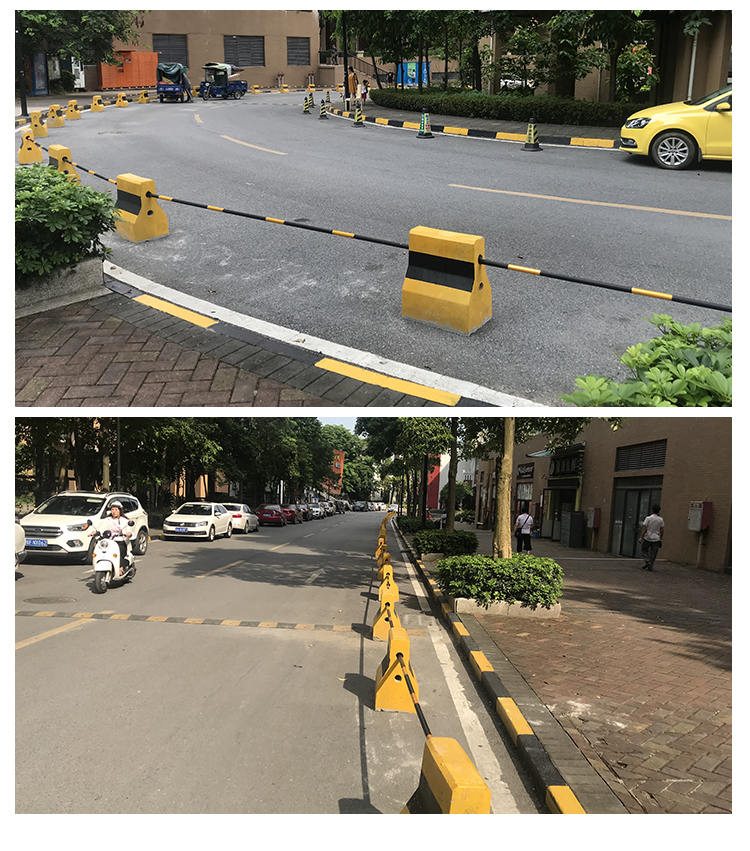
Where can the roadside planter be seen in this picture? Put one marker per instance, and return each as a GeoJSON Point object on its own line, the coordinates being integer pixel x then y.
{"type": "Point", "coordinates": [520, 586]}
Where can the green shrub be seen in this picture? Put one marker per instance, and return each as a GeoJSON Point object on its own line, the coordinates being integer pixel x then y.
{"type": "Point", "coordinates": [507, 107]}
{"type": "Point", "coordinates": [410, 525]}
{"type": "Point", "coordinates": [688, 366]}
{"type": "Point", "coordinates": [467, 515]}
{"type": "Point", "coordinates": [450, 543]}
{"type": "Point", "coordinates": [521, 578]}
{"type": "Point", "coordinates": [58, 222]}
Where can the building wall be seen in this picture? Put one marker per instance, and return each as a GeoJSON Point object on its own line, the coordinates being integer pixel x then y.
{"type": "Point", "coordinates": [698, 466]}
{"type": "Point", "coordinates": [205, 30]}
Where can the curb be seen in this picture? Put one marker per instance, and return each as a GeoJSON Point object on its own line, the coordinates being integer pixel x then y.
{"type": "Point", "coordinates": [571, 141]}
{"type": "Point", "coordinates": [549, 780]}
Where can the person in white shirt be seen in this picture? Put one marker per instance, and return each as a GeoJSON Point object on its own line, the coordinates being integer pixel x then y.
{"type": "Point", "coordinates": [524, 525]}
{"type": "Point", "coordinates": [651, 537]}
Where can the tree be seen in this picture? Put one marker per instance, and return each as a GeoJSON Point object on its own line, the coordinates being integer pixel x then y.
{"type": "Point", "coordinates": [85, 35]}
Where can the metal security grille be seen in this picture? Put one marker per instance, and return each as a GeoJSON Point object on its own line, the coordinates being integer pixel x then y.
{"type": "Point", "coordinates": [171, 48]}
{"type": "Point", "coordinates": [297, 51]}
{"type": "Point", "coordinates": [641, 456]}
{"type": "Point", "coordinates": [245, 51]}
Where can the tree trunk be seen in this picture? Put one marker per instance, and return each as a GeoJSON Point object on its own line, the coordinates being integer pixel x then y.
{"type": "Point", "coordinates": [419, 64]}
{"type": "Point", "coordinates": [477, 65]}
{"type": "Point", "coordinates": [450, 518]}
{"type": "Point", "coordinates": [501, 538]}
{"type": "Point", "coordinates": [445, 82]}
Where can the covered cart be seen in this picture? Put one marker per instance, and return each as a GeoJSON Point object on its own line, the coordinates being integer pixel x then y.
{"type": "Point", "coordinates": [169, 81]}
{"type": "Point", "coordinates": [217, 83]}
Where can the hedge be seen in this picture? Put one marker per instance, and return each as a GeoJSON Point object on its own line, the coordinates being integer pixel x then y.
{"type": "Point", "coordinates": [450, 543]}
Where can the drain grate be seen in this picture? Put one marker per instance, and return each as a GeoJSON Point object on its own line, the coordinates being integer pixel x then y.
{"type": "Point", "coordinates": [46, 601]}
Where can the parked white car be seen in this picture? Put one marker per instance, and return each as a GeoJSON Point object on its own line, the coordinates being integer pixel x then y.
{"type": "Point", "coordinates": [316, 511]}
{"type": "Point", "coordinates": [243, 519]}
{"type": "Point", "coordinates": [199, 520]}
{"type": "Point", "coordinates": [60, 525]}
{"type": "Point", "coordinates": [20, 544]}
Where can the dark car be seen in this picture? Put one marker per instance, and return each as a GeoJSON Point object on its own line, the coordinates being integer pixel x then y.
{"type": "Point", "coordinates": [292, 512]}
{"type": "Point", "coordinates": [305, 509]}
{"type": "Point", "coordinates": [269, 514]}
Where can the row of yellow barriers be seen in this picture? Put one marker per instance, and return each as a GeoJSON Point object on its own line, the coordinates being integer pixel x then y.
{"type": "Point", "coordinates": [449, 783]}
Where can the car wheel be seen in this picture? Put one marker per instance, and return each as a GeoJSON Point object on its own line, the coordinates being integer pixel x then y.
{"type": "Point", "coordinates": [140, 545]}
{"type": "Point", "coordinates": [247, 527]}
{"type": "Point", "coordinates": [229, 531]}
{"type": "Point", "coordinates": [674, 150]}
{"type": "Point", "coordinates": [211, 533]}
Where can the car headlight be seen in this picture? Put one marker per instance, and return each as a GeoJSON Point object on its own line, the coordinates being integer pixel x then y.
{"type": "Point", "coordinates": [78, 527]}
{"type": "Point", "coordinates": [636, 123]}
{"type": "Point", "coordinates": [202, 523]}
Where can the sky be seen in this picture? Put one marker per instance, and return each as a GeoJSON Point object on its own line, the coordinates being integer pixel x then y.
{"type": "Point", "coordinates": [347, 422]}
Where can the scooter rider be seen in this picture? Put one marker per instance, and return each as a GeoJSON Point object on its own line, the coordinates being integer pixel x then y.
{"type": "Point", "coordinates": [118, 528]}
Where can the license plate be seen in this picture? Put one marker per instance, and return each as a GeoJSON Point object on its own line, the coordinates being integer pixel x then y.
{"type": "Point", "coordinates": [181, 529]}
{"type": "Point", "coordinates": [36, 542]}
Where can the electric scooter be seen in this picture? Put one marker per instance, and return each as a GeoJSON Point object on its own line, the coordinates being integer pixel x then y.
{"type": "Point", "coordinates": [107, 561]}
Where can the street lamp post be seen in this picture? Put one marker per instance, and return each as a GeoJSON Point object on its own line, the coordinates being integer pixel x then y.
{"type": "Point", "coordinates": [20, 69]}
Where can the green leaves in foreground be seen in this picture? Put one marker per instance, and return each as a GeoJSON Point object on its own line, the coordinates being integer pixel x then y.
{"type": "Point", "coordinates": [688, 366]}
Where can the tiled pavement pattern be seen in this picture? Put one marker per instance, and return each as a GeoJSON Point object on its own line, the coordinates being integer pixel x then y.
{"type": "Point", "coordinates": [111, 351]}
{"type": "Point", "coordinates": [637, 670]}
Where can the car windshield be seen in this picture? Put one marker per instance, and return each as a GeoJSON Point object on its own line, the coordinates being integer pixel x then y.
{"type": "Point", "coordinates": [198, 508]}
{"type": "Point", "coordinates": [230, 507]}
{"type": "Point", "coordinates": [270, 508]}
{"type": "Point", "coordinates": [71, 505]}
{"type": "Point", "coordinates": [713, 95]}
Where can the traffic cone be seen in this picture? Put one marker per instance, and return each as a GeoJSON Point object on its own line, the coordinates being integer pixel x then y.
{"type": "Point", "coordinates": [323, 113]}
{"type": "Point", "coordinates": [328, 96]}
{"type": "Point", "coordinates": [306, 110]}
{"type": "Point", "coordinates": [424, 126]}
{"type": "Point", "coordinates": [532, 137]}
{"type": "Point", "coordinates": [358, 120]}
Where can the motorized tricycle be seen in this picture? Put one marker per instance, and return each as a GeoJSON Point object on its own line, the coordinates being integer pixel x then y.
{"type": "Point", "coordinates": [217, 83]}
{"type": "Point", "coordinates": [169, 85]}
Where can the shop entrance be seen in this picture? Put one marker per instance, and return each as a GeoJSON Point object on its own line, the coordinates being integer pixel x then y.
{"type": "Point", "coordinates": [632, 504]}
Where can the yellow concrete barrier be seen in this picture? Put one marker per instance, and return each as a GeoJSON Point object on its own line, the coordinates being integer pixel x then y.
{"type": "Point", "coordinates": [141, 217]}
{"type": "Point", "coordinates": [255, 90]}
{"type": "Point", "coordinates": [55, 118]}
{"type": "Point", "coordinates": [445, 284]}
{"type": "Point", "coordinates": [143, 97]}
{"type": "Point", "coordinates": [449, 783]}
{"type": "Point", "coordinates": [391, 690]}
{"type": "Point", "coordinates": [121, 100]}
{"type": "Point", "coordinates": [57, 156]}
{"type": "Point", "coordinates": [29, 152]}
{"type": "Point", "coordinates": [385, 570]}
{"type": "Point", "coordinates": [38, 127]}
{"type": "Point", "coordinates": [96, 104]}
{"type": "Point", "coordinates": [73, 112]}
{"type": "Point", "coordinates": [386, 619]}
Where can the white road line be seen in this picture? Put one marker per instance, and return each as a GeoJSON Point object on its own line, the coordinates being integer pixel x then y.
{"type": "Point", "coordinates": [301, 340]}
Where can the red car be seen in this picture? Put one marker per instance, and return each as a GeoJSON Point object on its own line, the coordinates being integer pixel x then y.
{"type": "Point", "coordinates": [292, 512]}
{"type": "Point", "coordinates": [271, 514]}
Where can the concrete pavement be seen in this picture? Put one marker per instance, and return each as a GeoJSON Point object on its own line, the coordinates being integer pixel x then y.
{"type": "Point", "coordinates": [636, 672]}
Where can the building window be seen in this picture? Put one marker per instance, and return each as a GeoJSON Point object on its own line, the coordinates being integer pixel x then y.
{"type": "Point", "coordinates": [297, 51]}
{"type": "Point", "coordinates": [641, 456]}
{"type": "Point", "coordinates": [245, 51]}
{"type": "Point", "coordinates": [171, 48]}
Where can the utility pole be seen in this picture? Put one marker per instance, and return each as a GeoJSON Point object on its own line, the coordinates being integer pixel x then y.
{"type": "Point", "coordinates": [21, 74]}
{"type": "Point", "coordinates": [346, 57]}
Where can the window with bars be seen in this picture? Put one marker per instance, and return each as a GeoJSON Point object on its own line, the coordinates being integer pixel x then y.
{"type": "Point", "coordinates": [171, 48]}
{"type": "Point", "coordinates": [245, 51]}
{"type": "Point", "coordinates": [297, 51]}
{"type": "Point", "coordinates": [641, 456]}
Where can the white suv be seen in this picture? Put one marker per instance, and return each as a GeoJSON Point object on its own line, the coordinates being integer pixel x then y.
{"type": "Point", "coordinates": [60, 525]}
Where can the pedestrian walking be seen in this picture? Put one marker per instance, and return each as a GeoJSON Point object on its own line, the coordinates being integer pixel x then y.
{"type": "Point", "coordinates": [364, 89]}
{"type": "Point", "coordinates": [186, 87]}
{"type": "Point", "coordinates": [335, 55]}
{"type": "Point", "coordinates": [652, 533]}
{"type": "Point", "coordinates": [353, 83]}
{"type": "Point", "coordinates": [524, 526]}
{"type": "Point", "coordinates": [390, 78]}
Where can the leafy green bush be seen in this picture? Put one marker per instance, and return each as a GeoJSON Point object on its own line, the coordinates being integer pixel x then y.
{"type": "Point", "coordinates": [410, 525]}
{"type": "Point", "coordinates": [467, 515]}
{"type": "Point", "coordinates": [58, 222]}
{"type": "Point", "coordinates": [521, 578]}
{"type": "Point", "coordinates": [450, 543]}
{"type": "Point", "coordinates": [507, 107]}
{"type": "Point", "coordinates": [688, 366]}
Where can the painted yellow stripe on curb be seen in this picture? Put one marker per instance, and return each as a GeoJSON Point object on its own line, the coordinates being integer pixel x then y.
{"type": "Point", "coordinates": [512, 718]}
{"type": "Point", "coordinates": [257, 147]}
{"type": "Point", "coordinates": [230, 623]}
{"type": "Point", "coordinates": [511, 137]}
{"type": "Point", "coordinates": [457, 131]}
{"type": "Point", "coordinates": [636, 291]}
{"type": "Point", "coordinates": [269, 624]}
{"type": "Point", "coordinates": [72, 625]}
{"type": "Point", "coordinates": [592, 143]}
{"type": "Point", "coordinates": [561, 800]}
{"type": "Point", "coordinates": [397, 384]}
{"type": "Point", "coordinates": [412, 126]}
{"type": "Point", "coordinates": [44, 614]}
{"type": "Point", "coordinates": [305, 626]}
{"type": "Point", "coordinates": [120, 618]}
{"type": "Point", "coordinates": [479, 662]}
{"type": "Point", "coordinates": [592, 203]}
{"type": "Point", "coordinates": [179, 312]}
{"type": "Point", "coordinates": [83, 615]}
{"type": "Point", "coordinates": [381, 121]}
{"type": "Point", "coordinates": [459, 629]}
{"type": "Point", "coordinates": [193, 620]}
{"type": "Point", "coordinates": [157, 618]}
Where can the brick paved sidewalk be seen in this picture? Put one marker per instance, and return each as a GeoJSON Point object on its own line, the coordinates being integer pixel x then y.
{"type": "Point", "coordinates": [637, 670]}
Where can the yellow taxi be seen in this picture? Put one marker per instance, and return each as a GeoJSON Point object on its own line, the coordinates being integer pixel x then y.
{"type": "Point", "coordinates": [675, 135]}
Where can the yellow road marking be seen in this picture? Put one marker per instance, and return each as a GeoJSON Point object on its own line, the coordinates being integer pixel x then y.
{"type": "Point", "coordinates": [198, 119]}
{"type": "Point", "coordinates": [593, 203]}
{"type": "Point", "coordinates": [179, 312]}
{"type": "Point", "coordinates": [270, 624]}
{"type": "Point", "coordinates": [72, 625]}
{"type": "Point", "coordinates": [280, 546]}
{"type": "Point", "coordinates": [397, 384]}
{"type": "Point", "coordinates": [157, 618]}
{"type": "Point", "coordinates": [230, 623]}
{"type": "Point", "coordinates": [257, 147]}
{"type": "Point", "coordinates": [219, 569]}
{"type": "Point", "coordinates": [119, 617]}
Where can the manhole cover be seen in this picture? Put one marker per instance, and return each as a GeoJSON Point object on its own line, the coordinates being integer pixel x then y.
{"type": "Point", "coordinates": [46, 601]}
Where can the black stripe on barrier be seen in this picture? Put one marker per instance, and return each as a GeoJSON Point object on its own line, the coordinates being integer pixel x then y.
{"type": "Point", "coordinates": [128, 202]}
{"type": "Point", "coordinates": [443, 271]}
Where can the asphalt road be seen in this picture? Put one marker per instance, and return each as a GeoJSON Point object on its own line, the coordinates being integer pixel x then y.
{"type": "Point", "coordinates": [131, 715]}
{"type": "Point", "coordinates": [597, 214]}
